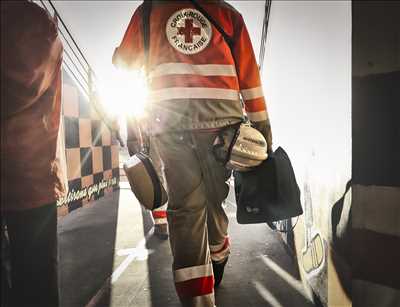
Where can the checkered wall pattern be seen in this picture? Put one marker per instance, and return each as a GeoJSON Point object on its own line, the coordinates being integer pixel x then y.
{"type": "Point", "coordinates": [91, 151]}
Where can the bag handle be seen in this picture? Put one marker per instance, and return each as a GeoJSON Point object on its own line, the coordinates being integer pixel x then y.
{"type": "Point", "coordinates": [230, 42]}
{"type": "Point", "coordinates": [226, 37]}
{"type": "Point", "coordinates": [147, 4]}
{"type": "Point", "coordinates": [217, 147]}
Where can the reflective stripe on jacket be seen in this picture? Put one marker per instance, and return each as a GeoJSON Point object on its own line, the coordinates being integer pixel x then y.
{"type": "Point", "coordinates": [195, 79]}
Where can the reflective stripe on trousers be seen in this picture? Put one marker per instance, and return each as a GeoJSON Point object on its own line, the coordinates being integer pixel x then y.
{"type": "Point", "coordinates": [219, 252]}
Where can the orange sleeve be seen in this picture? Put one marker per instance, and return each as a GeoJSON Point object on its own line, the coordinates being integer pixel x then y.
{"type": "Point", "coordinates": [248, 73]}
{"type": "Point", "coordinates": [129, 54]}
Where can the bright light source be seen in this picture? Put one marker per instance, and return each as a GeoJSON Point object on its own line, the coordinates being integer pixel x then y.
{"type": "Point", "coordinates": [123, 93]}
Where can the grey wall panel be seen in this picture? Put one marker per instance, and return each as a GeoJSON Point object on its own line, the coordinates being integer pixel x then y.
{"type": "Point", "coordinates": [375, 242]}
{"type": "Point", "coordinates": [376, 129]}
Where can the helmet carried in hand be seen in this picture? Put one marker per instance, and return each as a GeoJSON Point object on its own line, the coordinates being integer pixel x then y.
{"type": "Point", "coordinates": [241, 149]}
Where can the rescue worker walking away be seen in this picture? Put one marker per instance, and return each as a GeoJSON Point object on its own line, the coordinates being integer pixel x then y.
{"type": "Point", "coordinates": [195, 82]}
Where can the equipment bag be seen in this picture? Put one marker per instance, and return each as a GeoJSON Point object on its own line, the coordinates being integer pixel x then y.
{"type": "Point", "coordinates": [144, 181]}
{"type": "Point", "coordinates": [269, 192]}
{"type": "Point", "coordinates": [142, 176]}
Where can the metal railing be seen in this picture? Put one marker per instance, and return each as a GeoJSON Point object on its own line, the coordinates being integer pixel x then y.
{"type": "Point", "coordinates": [74, 61]}
{"type": "Point", "coordinates": [267, 11]}
{"type": "Point", "coordinates": [76, 64]}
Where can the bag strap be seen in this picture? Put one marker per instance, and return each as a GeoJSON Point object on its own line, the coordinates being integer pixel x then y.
{"type": "Point", "coordinates": [236, 127]}
{"type": "Point", "coordinates": [226, 37]}
{"type": "Point", "coordinates": [219, 146]}
{"type": "Point", "coordinates": [147, 4]}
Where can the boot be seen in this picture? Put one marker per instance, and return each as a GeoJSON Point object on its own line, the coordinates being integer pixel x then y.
{"type": "Point", "coordinates": [218, 269]}
{"type": "Point", "coordinates": [161, 231]}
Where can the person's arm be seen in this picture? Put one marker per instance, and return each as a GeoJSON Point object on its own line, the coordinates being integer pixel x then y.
{"type": "Point", "coordinates": [129, 54]}
{"type": "Point", "coordinates": [250, 81]}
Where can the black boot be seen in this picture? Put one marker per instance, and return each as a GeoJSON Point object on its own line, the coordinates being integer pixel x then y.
{"type": "Point", "coordinates": [218, 269]}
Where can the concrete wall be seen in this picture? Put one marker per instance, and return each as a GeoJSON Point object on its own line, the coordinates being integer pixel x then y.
{"type": "Point", "coordinates": [375, 236]}
{"type": "Point", "coordinates": [332, 79]}
{"type": "Point", "coordinates": [307, 82]}
{"type": "Point", "coordinates": [91, 160]}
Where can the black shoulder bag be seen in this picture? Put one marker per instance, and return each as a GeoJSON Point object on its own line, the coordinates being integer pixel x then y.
{"type": "Point", "coordinates": [268, 193]}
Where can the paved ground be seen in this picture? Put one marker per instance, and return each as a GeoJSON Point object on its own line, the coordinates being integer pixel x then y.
{"type": "Point", "coordinates": [110, 258]}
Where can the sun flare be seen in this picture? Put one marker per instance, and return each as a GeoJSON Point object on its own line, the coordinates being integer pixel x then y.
{"type": "Point", "coordinates": [124, 93]}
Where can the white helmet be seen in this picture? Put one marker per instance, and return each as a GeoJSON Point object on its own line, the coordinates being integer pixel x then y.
{"type": "Point", "coordinates": [241, 149]}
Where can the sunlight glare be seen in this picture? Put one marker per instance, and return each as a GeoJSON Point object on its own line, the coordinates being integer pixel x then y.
{"type": "Point", "coordinates": [124, 93]}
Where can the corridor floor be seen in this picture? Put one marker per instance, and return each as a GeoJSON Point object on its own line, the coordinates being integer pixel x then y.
{"type": "Point", "coordinates": [109, 257]}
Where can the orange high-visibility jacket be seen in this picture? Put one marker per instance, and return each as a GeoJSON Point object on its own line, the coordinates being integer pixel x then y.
{"type": "Point", "coordinates": [195, 79]}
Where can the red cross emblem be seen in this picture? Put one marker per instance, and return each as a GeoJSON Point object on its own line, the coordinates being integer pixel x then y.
{"type": "Point", "coordinates": [189, 30]}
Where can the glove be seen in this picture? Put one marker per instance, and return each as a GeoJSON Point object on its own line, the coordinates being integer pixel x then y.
{"type": "Point", "coordinates": [265, 128]}
{"type": "Point", "coordinates": [268, 137]}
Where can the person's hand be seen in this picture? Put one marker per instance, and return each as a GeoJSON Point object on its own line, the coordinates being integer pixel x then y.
{"type": "Point", "coordinates": [133, 147]}
{"type": "Point", "coordinates": [265, 128]}
{"type": "Point", "coordinates": [268, 138]}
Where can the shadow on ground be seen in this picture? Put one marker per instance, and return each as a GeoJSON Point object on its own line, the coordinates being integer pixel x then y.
{"type": "Point", "coordinates": [108, 236]}
{"type": "Point", "coordinates": [86, 249]}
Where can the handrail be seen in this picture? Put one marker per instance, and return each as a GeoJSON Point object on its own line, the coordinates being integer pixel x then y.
{"type": "Point", "coordinates": [83, 74]}
{"type": "Point", "coordinates": [76, 79]}
{"type": "Point", "coordinates": [75, 61]}
{"type": "Point", "coordinates": [267, 11]}
{"type": "Point", "coordinates": [70, 35]}
{"type": "Point", "coordinates": [76, 67]}
{"type": "Point", "coordinates": [69, 45]}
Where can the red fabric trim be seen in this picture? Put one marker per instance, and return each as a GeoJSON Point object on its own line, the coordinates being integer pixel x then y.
{"type": "Point", "coordinates": [255, 105]}
{"type": "Point", "coordinates": [159, 214]}
{"type": "Point", "coordinates": [168, 81]}
{"type": "Point", "coordinates": [195, 287]}
{"type": "Point", "coordinates": [225, 246]}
